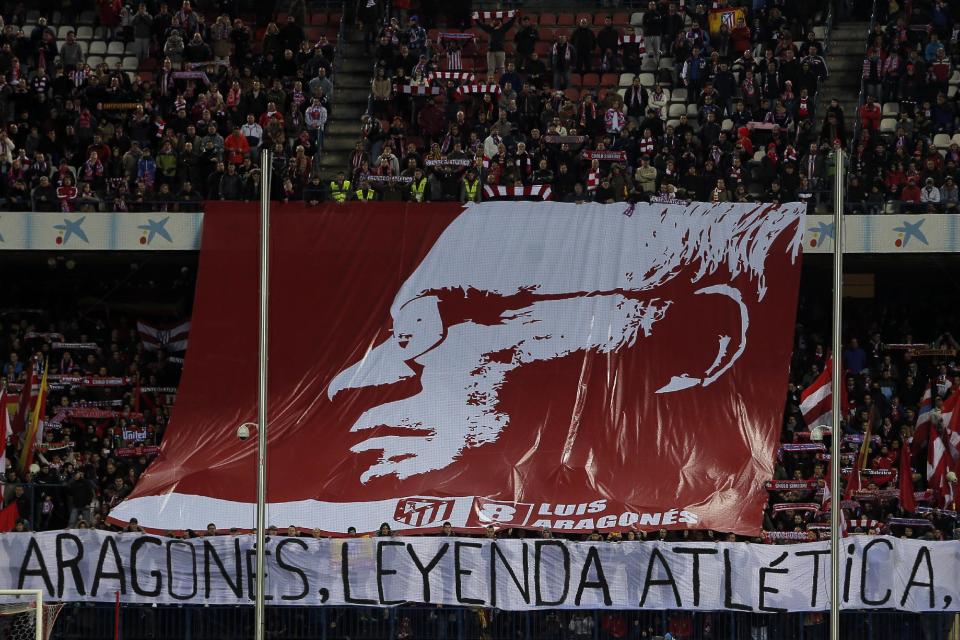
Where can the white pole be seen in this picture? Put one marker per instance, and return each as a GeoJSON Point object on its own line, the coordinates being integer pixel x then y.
{"type": "Point", "coordinates": [266, 171]}
{"type": "Point", "coordinates": [837, 409]}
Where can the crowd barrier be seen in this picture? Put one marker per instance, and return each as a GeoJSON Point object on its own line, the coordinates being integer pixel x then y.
{"type": "Point", "coordinates": [97, 622]}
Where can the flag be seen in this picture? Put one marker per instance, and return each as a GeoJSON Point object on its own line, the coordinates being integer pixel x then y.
{"type": "Point", "coordinates": [172, 339]}
{"type": "Point", "coordinates": [908, 501]}
{"type": "Point", "coordinates": [19, 424]}
{"type": "Point", "coordinates": [925, 414]}
{"type": "Point", "coordinates": [828, 496]}
{"type": "Point", "coordinates": [7, 431]}
{"type": "Point", "coordinates": [942, 436]}
{"type": "Point", "coordinates": [816, 399]}
{"type": "Point", "coordinates": [9, 516]}
{"type": "Point", "coordinates": [33, 430]}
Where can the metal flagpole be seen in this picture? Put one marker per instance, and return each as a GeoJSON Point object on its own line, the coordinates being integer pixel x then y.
{"type": "Point", "coordinates": [835, 404]}
{"type": "Point", "coordinates": [266, 171]}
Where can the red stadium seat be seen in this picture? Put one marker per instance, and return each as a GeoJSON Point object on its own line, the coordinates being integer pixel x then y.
{"type": "Point", "coordinates": [547, 19]}
{"type": "Point", "coordinates": [584, 16]}
{"type": "Point", "coordinates": [591, 80]}
{"type": "Point", "coordinates": [576, 79]}
{"type": "Point", "coordinates": [565, 20]}
{"type": "Point", "coordinates": [572, 94]}
{"type": "Point", "coordinates": [609, 80]}
{"type": "Point", "coordinates": [542, 49]}
{"type": "Point", "coordinates": [621, 19]}
{"type": "Point", "coordinates": [546, 34]}
{"type": "Point", "coordinates": [319, 19]}
{"type": "Point", "coordinates": [598, 19]}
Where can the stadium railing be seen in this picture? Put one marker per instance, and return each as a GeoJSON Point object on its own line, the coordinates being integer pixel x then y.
{"type": "Point", "coordinates": [145, 622]}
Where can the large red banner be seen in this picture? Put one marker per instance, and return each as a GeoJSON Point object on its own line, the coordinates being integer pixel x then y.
{"type": "Point", "coordinates": [537, 365]}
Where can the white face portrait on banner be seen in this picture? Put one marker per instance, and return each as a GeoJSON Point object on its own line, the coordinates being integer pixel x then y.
{"type": "Point", "coordinates": [561, 283]}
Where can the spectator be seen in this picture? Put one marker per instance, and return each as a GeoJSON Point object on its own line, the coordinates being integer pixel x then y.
{"type": "Point", "coordinates": [497, 32]}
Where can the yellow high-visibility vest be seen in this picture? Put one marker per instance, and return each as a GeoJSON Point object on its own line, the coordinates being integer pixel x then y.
{"type": "Point", "coordinates": [418, 189]}
{"type": "Point", "coordinates": [339, 191]}
{"type": "Point", "coordinates": [472, 190]}
{"type": "Point", "coordinates": [367, 195]}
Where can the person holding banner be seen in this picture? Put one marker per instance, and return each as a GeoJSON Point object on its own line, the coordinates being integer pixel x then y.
{"type": "Point", "coordinates": [497, 32]}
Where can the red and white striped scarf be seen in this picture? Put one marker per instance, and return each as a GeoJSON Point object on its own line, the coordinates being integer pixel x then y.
{"type": "Point", "coordinates": [479, 88]}
{"type": "Point", "coordinates": [460, 76]}
{"type": "Point", "coordinates": [494, 15]}
{"type": "Point", "coordinates": [417, 90]}
{"type": "Point", "coordinates": [541, 191]}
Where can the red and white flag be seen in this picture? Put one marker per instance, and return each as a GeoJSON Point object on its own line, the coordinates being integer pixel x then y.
{"type": "Point", "coordinates": [943, 447]}
{"type": "Point", "coordinates": [7, 429]}
{"type": "Point", "coordinates": [171, 339]}
{"type": "Point", "coordinates": [816, 399]}
{"type": "Point", "coordinates": [828, 497]}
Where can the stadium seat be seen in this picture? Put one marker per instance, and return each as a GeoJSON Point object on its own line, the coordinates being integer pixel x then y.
{"type": "Point", "coordinates": [87, 17]}
{"type": "Point", "coordinates": [115, 48]}
{"type": "Point", "coordinates": [547, 19]}
{"type": "Point", "coordinates": [621, 19]}
{"type": "Point", "coordinates": [130, 63]}
{"type": "Point", "coordinates": [692, 110]}
{"type": "Point", "coordinates": [758, 156]}
{"type": "Point", "coordinates": [647, 80]}
{"type": "Point", "coordinates": [888, 125]}
{"type": "Point", "coordinates": [572, 94]}
{"type": "Point", "coordinates": [951, 91]}
{"type": "Point", "coordinates": [636, 19]}
{"type": "Point", "coordinates": [955, 77]}
{"type": "Point", "coordinates": [891, 109]}
{"type": "Point", "coordinates": [97, 48]}
{"type": "Point", "coordinates": [94, 61]}
{"type": "Point", "coordinates": [84, 33]}
{"type": "Point", "coordinates": [649, 64]}
{"type": "Point", "coordinates": [33, 17]}
{"type": "Point", "coordinates": [112, 61]}
{"type": "Point", "coordinates": [820, 32]}
{"type": "Point", "coordinates": [591, 80]}
{"type": "Point", "coordinates": [622, 92]}
{"type": "Point", "coordinates": [576, 79]}
{"type": "Point", "coordinates": [955, 139]}
{"type": "Point", "coordinates": [678, 95]}
{"type": "Point", "coordinates": [676, 110]}
{"type": "Point", "coordinates": [941, 141]}
{"type": "Point", "coordinates": [63, 31]}
{"type": "Point", "coordinates": [626, 79]}
{"type": "Point", "coordinates": [609, 80]}
{"type": "Point", "coordinates": [547, 35]}
{"type": "Point", "coordinates": [565, 20]}
{"type": "Point", "coordinates": [598, 19]}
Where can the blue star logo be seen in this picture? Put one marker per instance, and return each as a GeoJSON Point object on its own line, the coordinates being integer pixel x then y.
{"type": "Point", "coordinates": [912, 231]}
{"type": "Point", "coordinates": [72, 228]}
{"type": "Point", "coordinates": [156, 228]}
{"type": "Point", "coordinates": [823, 231]}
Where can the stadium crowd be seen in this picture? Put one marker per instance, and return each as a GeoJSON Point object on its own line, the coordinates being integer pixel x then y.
{"type": "Point", "coordinates": [701, 101]}
{"type": "Point", "coordinates": [110, 398]}
{"type": "Point", "coordinates": [906, 153]}
{"type": "Point", "coordinates": [179, 120]}
{"type": "Point", "coordinates": [682, 105]}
